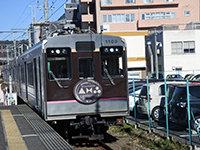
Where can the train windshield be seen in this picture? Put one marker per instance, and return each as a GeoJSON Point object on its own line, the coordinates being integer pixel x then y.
{"type": "Point", "coordinates": [86, 67]}
{"type": "Point", "coordinates": [58, 63]}
{"type": "Point", "coordinates": [112, 62]}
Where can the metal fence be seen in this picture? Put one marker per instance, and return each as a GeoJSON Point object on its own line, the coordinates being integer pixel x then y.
{"type": "Point", "coordinates": [137, 83]}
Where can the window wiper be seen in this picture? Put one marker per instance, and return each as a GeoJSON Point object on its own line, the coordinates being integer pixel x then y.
{"type": "Point", "coordinates": [108, 75]}
{"type": "Point", "coordinates": [54, 77]}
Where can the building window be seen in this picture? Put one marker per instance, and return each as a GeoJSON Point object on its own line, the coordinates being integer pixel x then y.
{"type": "Point", "coordinates": [105, 18]}
{"type": "Point", "coordinates": [118, 18]}
{"type": "Point", "coordinates": [127, 17]}
{"type": "Point", "coordinates": [105, 2]}
{"type": "Point", "coordinates": [176, 47]}
{"type": "Point", "coordinates": [114, 18]}
{"type": "Point", "coordinates": [158, 15]}
{"type": "Point", "coordinates": [187, 13]}
{"type": "Point", "coordinates": [123, 19]}
{"type": "Point", "coordinates": [109, 18]}
{"type": "Point", "coordinates": [169, 0]}
{"type": "Point", "coordinates": [148, 1]}
{"type": "Point", "coordinates": [132, 17]}
{"type": "Point", "coordinates": [183, 47]}
{"type": "Point", "coordinates": [130, 1]}
{"type": "Point", "coordinates": [189, 47]}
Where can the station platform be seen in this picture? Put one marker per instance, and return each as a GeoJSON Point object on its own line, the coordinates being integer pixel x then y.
{"type": "Point", "coordinates": [22, 129]}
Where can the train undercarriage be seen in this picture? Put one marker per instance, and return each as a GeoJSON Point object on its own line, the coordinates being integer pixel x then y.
{"type": "Point", "coordinates": [87, 127]}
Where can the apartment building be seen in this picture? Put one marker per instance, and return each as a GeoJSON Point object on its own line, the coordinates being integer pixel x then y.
{"type": "Point", "coordinates": [131, 19]}
{"type": "Point", "coordinates": [145, 14]}
{"type": "Point", "coordinates": [132, 15]}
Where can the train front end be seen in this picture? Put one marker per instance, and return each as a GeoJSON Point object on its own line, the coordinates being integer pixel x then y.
{"type": "Point", "coordinates": [86, 83]}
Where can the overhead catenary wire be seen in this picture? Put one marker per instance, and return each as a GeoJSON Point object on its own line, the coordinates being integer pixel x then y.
{"type": "Point", "coordinates": [21, 22]}
{"type": "Point", "coordinates": [22, 15]}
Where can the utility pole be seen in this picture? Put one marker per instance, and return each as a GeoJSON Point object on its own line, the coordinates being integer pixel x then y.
{"type": "Point", "coordinates": [46, 10]}
{"type": "Point", "coordinates": [156, 55]}
{"type": "Point", "coordinates": [15, 48]}
{"type": "Point", "coordinates": [46, 14]}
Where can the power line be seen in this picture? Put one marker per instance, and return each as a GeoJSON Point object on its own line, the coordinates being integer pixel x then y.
{"type": "Point", "coordinates": [22, 14]}
{"type": "Point", "coordinates": [51, 7]}
{"type": "Point", "coordinates": [57, 9]}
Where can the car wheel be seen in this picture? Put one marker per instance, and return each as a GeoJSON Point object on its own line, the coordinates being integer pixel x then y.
{"type": "Point", "coordinates": [155, 113]}
{"type": "Point", "coordinates": [197, 122]}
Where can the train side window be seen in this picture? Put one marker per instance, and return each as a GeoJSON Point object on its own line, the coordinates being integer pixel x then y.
{"type": "Point", "coordinates": [86, 67]}
{"type": "Point", "coordinates": [22, 74]}
{"type": "Point", "coordinates": [59, 63]}
{"type": "Point", "coordinates": [30, 73]}
{"type": "Point", "coordinates": [112, 61]}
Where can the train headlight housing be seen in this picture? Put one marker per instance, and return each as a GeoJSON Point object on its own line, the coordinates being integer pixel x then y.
{"type": "Point", "coordinates": [112, 50]}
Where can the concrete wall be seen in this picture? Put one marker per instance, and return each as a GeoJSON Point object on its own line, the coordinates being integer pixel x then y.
{"type": "Point", "coordinates": [189, 62]}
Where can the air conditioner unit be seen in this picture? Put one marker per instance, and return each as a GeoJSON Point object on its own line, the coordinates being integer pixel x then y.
{"type": "Point", "coordinates": [106, 28]}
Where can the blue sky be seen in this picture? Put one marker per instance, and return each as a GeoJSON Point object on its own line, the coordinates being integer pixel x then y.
{"type": "Point", "coordinates": [16, 14]}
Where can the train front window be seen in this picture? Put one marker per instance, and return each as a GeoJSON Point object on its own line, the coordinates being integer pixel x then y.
{"type": "Point", "coordinates": [112, 62]}
{"type": "Point", "coordinates": [86, 67]}
{"type": "Point", "coordinates": [59, 63]}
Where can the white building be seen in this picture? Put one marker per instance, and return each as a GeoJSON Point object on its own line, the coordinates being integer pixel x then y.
{"type": "Point", "coordinates": [179, 50]}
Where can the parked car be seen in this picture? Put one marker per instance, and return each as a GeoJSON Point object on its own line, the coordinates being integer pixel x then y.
{"type": "Point", "coordinates": [178, 105]}
{"type": "Point", "coordinates": [195, 77]}
{"type": "Point", "coordinates": [131, 99]}
{"type": "Point", "coordinates": [188, 76]}
{"type": "Point", "coordinates": [153, 76]}
{"type": "Point", "coordinates": [156, 97]}
{"type": "Point", "coordinates": [174, 77]}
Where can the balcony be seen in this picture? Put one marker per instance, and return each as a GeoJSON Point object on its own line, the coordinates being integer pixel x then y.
{"type": "Point", "coordinates": [117, 4]}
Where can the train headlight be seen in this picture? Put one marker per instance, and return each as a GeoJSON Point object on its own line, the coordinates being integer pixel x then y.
{"type": "Point", "coordinates": [64, 51]}
{"type": "Point", "coordinates": [106, 50]}
{"type": "Point", "coordinates": [57, 51]}
{"type": "Point", "coordinates": [112, 50]}
{"type": "Point", "coordinates": [116, 49]}
{"type": "Point", "coordinates": [52, 51]}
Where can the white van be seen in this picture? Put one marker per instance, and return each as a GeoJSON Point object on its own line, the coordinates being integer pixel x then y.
{"type": "Point", "coordinates": [131, 99]}
{"type": "Point", "coordinates": [156, 98]}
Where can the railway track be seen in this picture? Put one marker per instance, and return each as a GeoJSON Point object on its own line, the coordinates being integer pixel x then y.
{"type": "Point", "coordinates": [90, 145]}
{"type": "Point", "coordinates": [111, 142]}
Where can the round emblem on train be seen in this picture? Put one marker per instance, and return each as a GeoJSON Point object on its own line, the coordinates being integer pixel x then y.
{"type": "Point", "coordinates": [87, 91]}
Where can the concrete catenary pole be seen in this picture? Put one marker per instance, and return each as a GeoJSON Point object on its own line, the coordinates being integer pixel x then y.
{"type": "Point", "coordinates": [46, 10]}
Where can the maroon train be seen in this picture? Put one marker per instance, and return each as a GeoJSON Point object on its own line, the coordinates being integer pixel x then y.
{"type": "Point", "coordinates": [78, 81]}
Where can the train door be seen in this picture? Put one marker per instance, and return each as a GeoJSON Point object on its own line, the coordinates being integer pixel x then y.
{"type": "Point", "coordinates": [86, 67]}
{"type": "Point", "coordinates": [39, 85]}
{"type": "Point", "coordinates": [26, 82]}
{"type": "Point", "coordinates": [36, 82]}
{"type": "Point", "coordinates": [20, 80]}
{"type": "Point", "coordinates": [86, 61]}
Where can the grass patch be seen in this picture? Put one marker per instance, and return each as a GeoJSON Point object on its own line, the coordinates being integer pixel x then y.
{"type": "Point", "coordinates": [148, 140]}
